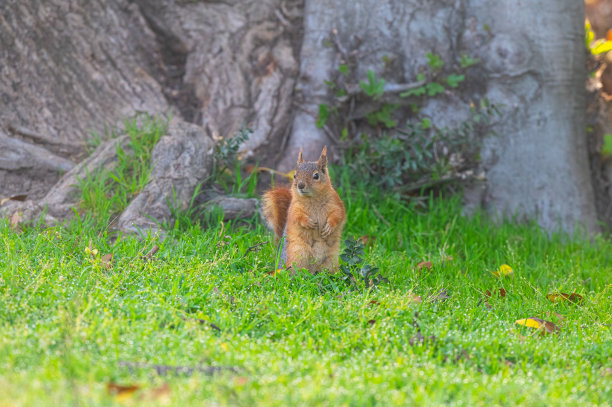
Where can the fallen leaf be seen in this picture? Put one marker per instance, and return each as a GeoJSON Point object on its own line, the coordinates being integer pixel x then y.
{"type": "Point", "coordinates": [609, 35]}
{"type": "Point", "coordinates": [427, 264]}
{"type": "Point", "coordinates": [107, 260]}
{"type": "Point", "coordinates": [372, 322]}
{"type": "Point", "coordinates": [240, 380]}
{"type": "Point", "coordinates": [560, 297]}
{"type": "Point", "coordinates": [503, 271]}
{"type": "Point", "coordinates": [373, 302]}
{"type": "Point", "coordinates": [157, 393]}
{"type": "Point", "coordinates": [414, 298]}
{"type": "Point", "coordinates": [122, 392]}
{"type": "Point", "coordinates": [502, 293]}
{"type": "Point", "coordinates": [273, 273]}
{"type": "Point", "coordinates": [15, 219]}
{"type": "Point", "coordinates": [540, 324]}
{"type": "Point", "coordinates": [20, 198]}
{"type": "Point", "coordinates": [367, 240]}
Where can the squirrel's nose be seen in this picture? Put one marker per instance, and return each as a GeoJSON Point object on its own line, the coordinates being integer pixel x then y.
{"type": "Point", "coordinates": [301, 185]}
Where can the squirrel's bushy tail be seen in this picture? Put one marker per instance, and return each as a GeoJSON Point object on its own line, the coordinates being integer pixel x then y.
{"type": "Point", "coordinates": [275, 205]}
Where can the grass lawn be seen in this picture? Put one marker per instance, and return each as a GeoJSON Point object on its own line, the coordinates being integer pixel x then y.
{"type": "Point", "coordinates": [203, 323]}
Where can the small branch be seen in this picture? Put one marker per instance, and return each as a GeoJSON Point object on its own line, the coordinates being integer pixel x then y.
{"type": "Point", "coordinates": [254, 248]}
{"type": "Point", "coordinates": [353, 90]}
{"type": "Point", "coordinates": [338, 45]}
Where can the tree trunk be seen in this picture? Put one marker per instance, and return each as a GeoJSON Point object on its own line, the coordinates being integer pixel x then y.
{"type": "Point", "coordinates": [73, 67]}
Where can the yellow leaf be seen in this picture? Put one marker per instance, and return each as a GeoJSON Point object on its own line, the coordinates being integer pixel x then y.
{"type": "Point", "coordinates": [538, 323]}
{"type": "Point", "coordinates": [529, 323]}
{"type": "Point", "coordinates": [273, 273]}
{"type": "Point", "coordinates": [503, 271]}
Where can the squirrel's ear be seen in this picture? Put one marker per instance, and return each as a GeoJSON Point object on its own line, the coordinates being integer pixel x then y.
{"type": "Point", "coordinates": [300, 158]}
{"type": "Point", "coordinates": [323, 158]}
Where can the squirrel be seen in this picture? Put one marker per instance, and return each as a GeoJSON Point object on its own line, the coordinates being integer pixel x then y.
{"type": "Point", "coordinates": [310, 216]}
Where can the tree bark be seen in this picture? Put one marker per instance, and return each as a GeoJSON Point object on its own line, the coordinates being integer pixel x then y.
{"type": "Point", "coordinates": [538, 164]}
{"type": "Point", "coordinates": [73, 67]}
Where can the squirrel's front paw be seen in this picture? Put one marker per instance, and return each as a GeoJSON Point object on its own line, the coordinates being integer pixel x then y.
{"type": "Point", "coordinates": [310, 224]}
{"type": "Point", "coordinates": [326, 231]}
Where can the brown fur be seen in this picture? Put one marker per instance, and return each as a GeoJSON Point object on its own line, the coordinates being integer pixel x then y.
{"type": "Point", "coordinates": [315, 217]}
{"type": "Point", "coordinates": [275, 203]}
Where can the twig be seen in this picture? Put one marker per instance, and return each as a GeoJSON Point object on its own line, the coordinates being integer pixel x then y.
{"type": "Point", "coordinates": [254, 248]}
{"type": "Point", "coordinates": [353, 90]}
{"type": "Point", "coordinates": [151, 252]}
{"type": "Point", "coordinates": [339, 47]}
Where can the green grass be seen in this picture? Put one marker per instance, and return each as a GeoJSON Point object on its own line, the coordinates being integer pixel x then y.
{"type": "Point", "coordinates": [104, 193]}
{"type": "Point", "coordinates": [70, 324]}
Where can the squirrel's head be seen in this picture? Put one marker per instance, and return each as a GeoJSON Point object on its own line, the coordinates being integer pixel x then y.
{"type": "Point", "coordinates": [311, 177]}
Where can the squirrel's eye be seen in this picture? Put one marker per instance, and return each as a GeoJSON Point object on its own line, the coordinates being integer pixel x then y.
{"type": "Point", "coordinates": [316, 175]}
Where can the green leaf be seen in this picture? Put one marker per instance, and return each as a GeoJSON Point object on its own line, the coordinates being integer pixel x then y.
{"type": "Point", "coordinates": [454, 80]}
{"type": "Point", "coordinates": [434, 88]}
{"type": "Point", "coordinates": [589, 35]}
{"type": "Point", "coordinates": [434, 61]}
{"type": "Point", "coordinates": [374, 88]}
{"type": "Point", "coordinates": [421, 77]}
{"type": "Point", "coordinates": [420, 91]}
{"type": "Point", "coordinates": [330, 84]}
{"type": "Point", "coordinates": [607, 146]}
{"type": "Point", "coordinates": [343, 69]}
{"type": "Point", "coordinates": [323, 115]}
{"type": "Point", "coordinates": [466, 61]}
{"type": "Point", "coordinates": [344, 135]}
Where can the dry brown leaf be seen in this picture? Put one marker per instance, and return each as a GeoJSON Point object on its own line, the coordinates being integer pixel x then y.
{"type": "Point", "coordinates": [372, 322]}
{"type": "Point", "coordinates": [373, 302]}
{"type": "Point", "coordinates": [414, 298]}
{"type": "Point", "coordinates": [560, 297]}
{"type": "Point", "coordinates": [367, 240]}
{"type": "Point", "coordinates": [273, 273]}
{"type": "Point", "coordinates": [122, 391]}
{"type": "Point", "coordinates": [501, 291]}
{"type": "Point", "coordinates": [157, 393]}
{"type": "Point", "coordinates": [107, 261]}
{"type": "Point", "coordinates": [426, 264]}
{"type": "Point", "coordinates": [540, 324]}
{"type": "Point", "coordinates": [240, 380]}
